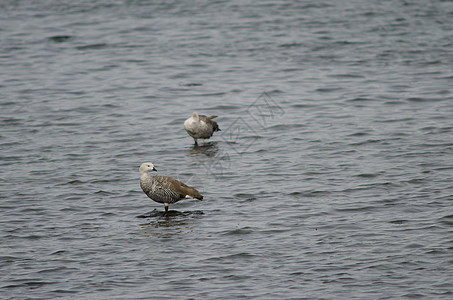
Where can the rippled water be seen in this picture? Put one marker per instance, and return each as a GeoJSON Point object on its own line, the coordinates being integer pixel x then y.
{"type": "Point", "coordinates": [331, 177]}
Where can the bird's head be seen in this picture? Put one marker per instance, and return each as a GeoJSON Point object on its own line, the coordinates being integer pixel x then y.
{"type": "Point", "coordinates": [147, 167]}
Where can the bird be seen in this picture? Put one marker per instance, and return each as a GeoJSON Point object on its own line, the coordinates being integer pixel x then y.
{"type": "Point", "coordinates": [201, 126]}
{"type": "Point", "coordinates": [164, 189]}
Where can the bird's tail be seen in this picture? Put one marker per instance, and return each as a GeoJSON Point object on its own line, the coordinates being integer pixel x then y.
{"type": "Point", "coordinates": [191, 192]}
{"type": "Point", "coordinates": [197, 195]}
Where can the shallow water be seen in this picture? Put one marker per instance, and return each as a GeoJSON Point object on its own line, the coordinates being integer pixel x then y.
{"type": "Point", "coordinates": [331, 177]}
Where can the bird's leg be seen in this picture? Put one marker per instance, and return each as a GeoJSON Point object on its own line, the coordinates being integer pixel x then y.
{"type": "Point", "coordinates": [205, 141]}
{"type": "Point", "coordinates": [196, 143]}
{"type": "Point", "coordinates": [166, 207]}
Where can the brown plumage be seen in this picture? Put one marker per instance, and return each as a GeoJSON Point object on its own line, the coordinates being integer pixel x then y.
{"type": "Point", "coordinates": [164, 189]}
{"type": "Point", "coordinates": [177, 186]}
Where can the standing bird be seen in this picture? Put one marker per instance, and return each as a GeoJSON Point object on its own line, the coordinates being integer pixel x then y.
{"type": "Point", "coordinates": [201, 127]}
{"type": "Point", "coordinates": [164, 189]}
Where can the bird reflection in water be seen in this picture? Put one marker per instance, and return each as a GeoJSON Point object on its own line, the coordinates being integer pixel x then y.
{"type": "Point", "coordinates": [173, 219]}
{"type": "Point", "coordinates": [209, 149]}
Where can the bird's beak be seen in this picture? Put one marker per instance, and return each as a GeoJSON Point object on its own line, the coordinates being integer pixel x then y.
{"type": "Point", "coordinates": [154, 169]}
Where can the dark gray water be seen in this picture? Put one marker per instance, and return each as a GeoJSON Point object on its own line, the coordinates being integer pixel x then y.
{"type": "Point", "coordinates": [331, 178]}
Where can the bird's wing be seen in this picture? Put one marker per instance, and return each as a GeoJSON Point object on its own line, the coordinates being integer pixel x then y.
{"type": "Point", "coordinates": [209, 121]}
{"type": "Point", "coordinates": [179, 187]}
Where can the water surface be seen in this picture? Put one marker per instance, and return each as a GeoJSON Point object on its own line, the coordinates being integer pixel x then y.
{"type": "Point", "coordinates": [331, 177]}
